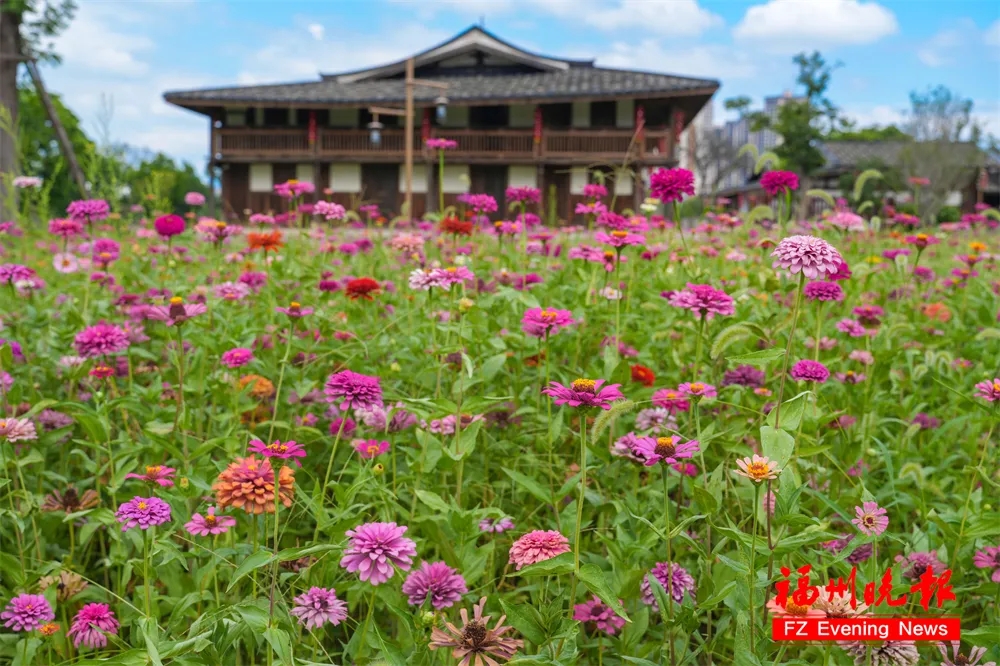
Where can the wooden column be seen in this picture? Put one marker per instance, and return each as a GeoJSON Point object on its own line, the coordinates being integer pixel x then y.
{"type": "Point", "coordinates": [408, 139]}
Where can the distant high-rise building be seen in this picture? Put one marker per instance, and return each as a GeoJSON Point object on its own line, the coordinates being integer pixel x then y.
{"type": "Point", "coordinates": [739, 133]}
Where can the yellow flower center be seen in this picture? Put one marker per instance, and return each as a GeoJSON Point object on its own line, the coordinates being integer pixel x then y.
{"type": "Point", "coordinates": [372, 449]}
{"type": "Point", "coordinates": [210, 519]}
{"type": "Point", "coordinates": [105, 255]}
{"type": "Point", "coordinates": [153, 469]}
{"type": "Point", "coordinates": [665, 447]}
{"type": "Point", "coordinates": [758, 471]}
{"type": "Point", "coordinates": [795, 609]}
{"type": "Point", "coordinates": [452, 269]}
{"type": "Point", "coordinates": [697, 387]}
{"type": "Point", "coordinates": [584, 385]}
{"type": "Point", "coordinates": [922, 238]}
{"type": "Point", "coordinates": [619, 234]}
{"type": "Point", "coordinates": [549, 315]}
{"type": "Point", "coordinates": [293, 182]}
{"type": "Point", "coordinates": [176, 300]}
{"type": "Point", "coordinates": [143, 505]}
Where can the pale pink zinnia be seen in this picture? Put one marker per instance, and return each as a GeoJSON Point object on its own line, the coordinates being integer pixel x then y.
{"type": "Point", "coordinates": [318, 606]}
{"type": "Point", "coordinates": [811, 256]}
{"type": "Point", "coordinates": [537, 546]}
{"type": "Point", "coordinates": [697, 390]}
{"type": "Point", "coordinates": [871, 519]}
{"type": "Point", "coordinates": [989, 391]}
{"type": "Point", "coordinates": [375, 549]}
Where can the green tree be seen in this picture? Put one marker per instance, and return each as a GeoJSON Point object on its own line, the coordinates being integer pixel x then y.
{"type": "Point", "coordinates": [850, 132]}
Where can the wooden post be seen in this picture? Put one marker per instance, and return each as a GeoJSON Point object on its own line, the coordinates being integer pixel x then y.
{"type": "Point", "coordinates": [57, 126]}
{"type": "Point", "coordinates": [408, 139]}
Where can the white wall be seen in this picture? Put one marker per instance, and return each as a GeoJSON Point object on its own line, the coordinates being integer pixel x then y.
{"type": "Point", "coordinates": [304, 173]}
{"type": "Point", "coordinates": [578, 178]}
{"type": "Point", "coordinates": [522, 175]}
{"type": "Point", "coordinates": [345, 177]}
{"type": "Point", "coordinates": [623, 183]}
{"type": "Point", "coordinates": [456, 178]}
{"type": "Point", "coordinates": [522, 115]}
{"type": "Point", "coordinates": [581, 114]}
{"type": "Point", "coordinates": [625, 113]}
{"type": "Point", "coordinates": [261, 177]}
{"type": "Point", "coordinates": [419, 178]}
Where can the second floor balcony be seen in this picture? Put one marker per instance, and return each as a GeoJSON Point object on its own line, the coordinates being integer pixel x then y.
{"type": "Point", "coordinates": [475, 146]}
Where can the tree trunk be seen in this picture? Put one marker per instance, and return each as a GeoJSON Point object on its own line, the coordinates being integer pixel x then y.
{"type": "Point", "coordinates": [10, 58]}
{"type": "Point", "coordinates": [64, 143]}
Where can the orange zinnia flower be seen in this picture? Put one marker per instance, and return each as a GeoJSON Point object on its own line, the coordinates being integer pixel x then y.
{"type": "Point", "coordinates": [643, 375]}
{"type": "Point", "coordinates": [265, 241]}
{"type": "Point", "coordinates": [262, 388]}
{"type": "Point", "coordinates": [249, 483]}
{"type": "Point", "coordinates": [937, 311]}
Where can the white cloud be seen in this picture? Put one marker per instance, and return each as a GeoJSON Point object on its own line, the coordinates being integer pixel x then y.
{"type": "Point", "coordinates": [985, 112]}
{"type": "Point", "coordinates": [708, 60]}
{"type": "Point", "coordinates": [792, 25]}
{"type": "Point", "coordinates": [92, 43]}
{"type": "Point", "coordinates": [677, 18]}
{"type": "Point", "coordinates": [991, 36]}
{"type": "Point", "coordinates": [316, 30]}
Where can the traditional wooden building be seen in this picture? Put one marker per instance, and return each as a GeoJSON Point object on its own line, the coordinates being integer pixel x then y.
{"type": "Point", "coordinates": [519, 119]}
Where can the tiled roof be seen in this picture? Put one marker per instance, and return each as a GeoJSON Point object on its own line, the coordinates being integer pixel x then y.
{"type": "Point", "coordinates": [555, 85]}
{"type": "Point", "coordinates": [841, 154]}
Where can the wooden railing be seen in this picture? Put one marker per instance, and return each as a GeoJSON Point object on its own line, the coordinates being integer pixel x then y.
{"type": "Point", "coordinates": [488, 145]}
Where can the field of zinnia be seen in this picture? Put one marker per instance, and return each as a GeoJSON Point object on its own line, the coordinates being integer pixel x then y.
{"type": "Point", "coordinates": [318, 437]}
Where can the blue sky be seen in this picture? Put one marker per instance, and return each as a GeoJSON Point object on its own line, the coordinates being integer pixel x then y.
{"type": "Point", "coordinates": [119, 56]}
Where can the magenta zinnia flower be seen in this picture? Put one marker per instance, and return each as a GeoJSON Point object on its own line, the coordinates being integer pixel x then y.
{"type": "Point", "coordinates": [100, 340]}
{"type": "Point", "coordinates": [353, 390]}
{"type": "Point", "coordinates": [916, 564]}
{"type": "Point", "coordinates": [318, 606]}
{"type": "Point", "coordinates": [674, 578]}
{"type": "Point", "coordinates": [92, 625]}
{"type": "Point", "coordinates": [666, 450]}
{"type": "Point", "coordinates": [88, 210]}
{"type": "Point", "coordinates": [823, 291]}
{"type": "Point", "coordinates": [537, 546]}
{"type": "Point", "coordinates": [989, 391]}
{"type": "Point", "coordinates": [703, 300]}
{"type": "Point", "coordinates": [209, 524]}
{"type": "Point", "coordinates": [523, 195]}
{"type": "Point", "coordinates": [237, 357]}
{"type": "Point", "coordinates": [295, 310]}
{"type": "Point", "coordinates": [871, 519]}
{"type": "Point", "coordinates": [277, 449]}
{"type": "Point", "coordinates": [671, 184]}
{"type": "Point", "coordinates": [988, 558]}
{"type": "Point", "coordinates": [157, 474]}
{"type": "Point", "coordinates": [376, 548]}
{"type": "Point", "coordinates": [144, 512]}
{"type": "Point", "coordinates": [27, 612]}
{"type": "Point", "coordinates": [619, 239]}
{"type": "Point", "coordinates": [697, 389]}
{"type": "Point", "coordinates": [177, 312]}
{"type": "Point", "coordinates": [435, 581]}
{"type": "Point", "coordinates": [775, 182]}
{"type": "Point", "coordinates": [584, 393]}
{"type": "Point", "coordinates": [809, 371]}
{"type": "Point", "coordinates": [599, 614]}
{"type": "Point", "coordinates": [671, 400]}
{"type": "Point", "coordinates": [169, 225]}
{"type": "Point", "coordinates": [370, 448]}
{"type": "Point", "coordinates": [540, 322]}
{"type": "Point", "coordinates": [814, 257]}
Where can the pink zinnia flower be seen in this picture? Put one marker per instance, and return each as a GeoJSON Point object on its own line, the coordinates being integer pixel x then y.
{"type": "Point", "coordinates": [871, 519]}
{"type": "Point", "coordinates": [66, 228]}
{"type": "Point", "coordinates": [852, 328]}
{"type": "Point", "coordinates": [671, 184]}
{"type": "Point", "coordinates": [177, 312]}
{"type": "Point", "coordinates": [65, 263]}
{"type": "Point", "coordinates": [318, 606]}
{"type": "Point", "coordinates": [584, 393]}
{"type": "Point", "coordinates": [524, 195]}
{"type": "Point", "coordinates": [989, 391]}
{"type": "Point", "coordinates": [353, 390]}
{"type": "Point", "coordinates": [441, 144]}
{"type": "Point", "coordinates": [329, 210]}
{"type": "Point", "coordinates": [370, 448]}
{"type": "Point", "coordinates": [169, 225]}
{"type": "Point", "coordinates": [675, 579]}
{"type": "Point", "coordinates": [17, 430]}
{"type": "Point", "coordinates": [539, 322]}
{"type": "Point", "coordinates": [144, 512]}
{"type": "Point", "coordinates": [988, 558]}
{"type": "Point", "coordinates": [671, 400]}
{"type": "Point", "coordinates": [445, 278]}
{"type": "Point", "coordinates": [100, 340]}
{"type": "Point", "coordinates": [666, 450]}
{"type": "Point", "coordinates": [209, 524]}
{"type": "Point", "coordinates": [846, 220]}
{"type": "Point", "coordinates": [497, 525]}
{"type": "Point", "coordinates": [375, 549]}
{"type": "Point", "coordinates": [231, 291]}
{"type": "Point", "coordinates": [295, 310]}
{"type": "Point", "coordinates": [813, 256]}
{"type": "Point", "coordinates": [843, 272]}
{"type": "Point", "coordinates": [27, 612]}
{"type": "Point", "coordinates": [809, 371]}
{"type": "Point", "coordinates": [157, 474]}
{"type": "Point", "coordinates": [537, 546]}
{"type": "Point", "coordinates": [435, 581]}
{"type": "Point", "coordinates": [703, 300]}
{"type": "Point", "coordinates": [599, 614]}
{"type": "Point", "coordinates": [104, 250]}
{"type": "Point", "coordinates": [277, 449]}
{"type": "Point", "coordinates": [775, 182]}
{"type": "Point", "coordinates": [823, 291]}
{"type": "Point", "coordinates": [697, 389]}
{"type": "Point", "coordinates": [194, 199]}
{"type": "Point", "coordinates": [619, 239]}
{"type": "Point", "coordinates": [88, 210]}
{"type": "Point", "coordinates": [92, 625]}
{"type": "Point", "coordinates": [237, 357]}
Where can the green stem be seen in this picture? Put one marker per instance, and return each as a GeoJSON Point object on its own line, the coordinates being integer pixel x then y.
{"type": "Point", "coordinates": [579, 505]}
{"type": "Point", "coordinates": [670, 566]}
{"type": "Point", "coordinates": [698, 348]}
{"type": "Point", "coordinates": [145, 569]}
{"type": "Point", "coordinates": [753, 572]}
{"type": "Point", "coordinates": [329, 468]}
{"type": "Point", "coordinates": [281, 379]}
{"type": "Point", "coordinates": [788, 351]}
{"type": "Point", "coordinates": [819, 331]}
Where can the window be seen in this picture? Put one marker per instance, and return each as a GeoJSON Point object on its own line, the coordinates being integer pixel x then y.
{"type": "Point", "coordinates": [456, 178]}
{"type": "Point", "coordinates": [419, 178]}
{"type": "Point", "coordinates": [487, 117]}
{"type": "Point", "coordinates": [602, 114]}
{"type": "Point", "coordinates": [557, 116]}
{"type": "Point", "coordinates": [578, 179]}
{"type": "Point", "coordinates": [581, 114]}
{"type": "Point", "coordinates": [276, 117]}
{"type": "Point", "coordinates": [236, 117]}
{"type": "Point", "coordinates": [261, 177]}
{"type": "Point", "coordinates": [304, 173]}
{"type": "Point", "coordinates": [521, 115]}
{"type": "Point", "coordinates": [346, 118]}
{"type": "Point", "coordinates": [625, 113]}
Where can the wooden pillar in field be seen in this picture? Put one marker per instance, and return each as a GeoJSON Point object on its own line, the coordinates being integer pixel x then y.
{"type": "Point", "coordinates": [637, 188]}
{"type": "Point", "coordinates": [540, 184]}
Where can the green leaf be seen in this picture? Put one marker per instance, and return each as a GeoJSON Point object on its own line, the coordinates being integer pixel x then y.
{"type": "Point", "coordinates": [434, 501]}
{"type": "Point", "coordinates": [824, 195]}
{"type": "Point", "coordinates": [150, 634]}
{"type": "Point", "coordinates": [758, 359]}
{"type": "Point", "coordinates": [864, 177]}
{"type": "Point", "coordinates": [760, 213]}
{"type": "Point", "coordinates": [592, 576]}
{"type": "Point", "coordinates": [492, 366]}
{"type": "Point", "coordinates": [282, 644]}
{"type": "Point", "coordinates": [560, 564]}
{"type": "Point", "coordinates": [254, 561]}
{"type": "Point", "coordinates": [289, 554]}
{"type": "Point", "coordinates": [777, 445]}
{"type": "Point", "coordinates": [159, 428]}
{"type": "Point", "coordinates": [536, 489]}
{"type": "Point", "coordinates": [727, 337]}
{"type": "Point", "coordinates": [6, 356]}
{"type": "Point", "coordinates": [526, 620]}
{"type": "Point", "coordinates": [765, 160]}
{"type": "Point", "coordinates": [611, 359]}
{"type": "Point", "coordinates": [719, 595]}
{"type": "Point", "coordinates": [791, 411]}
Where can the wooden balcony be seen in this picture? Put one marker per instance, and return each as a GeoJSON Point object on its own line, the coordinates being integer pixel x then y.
{"type": "Point", "coordinates": [570, 146]}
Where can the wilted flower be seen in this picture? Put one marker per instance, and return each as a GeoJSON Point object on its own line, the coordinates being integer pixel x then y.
{"type": "Point", "coordinates": [474, 643]}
